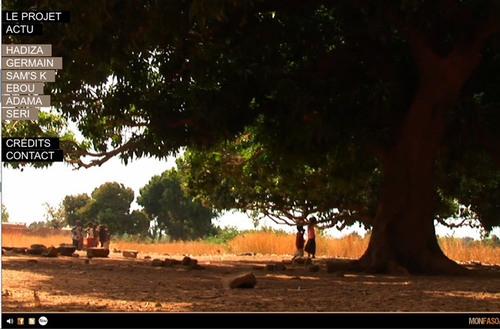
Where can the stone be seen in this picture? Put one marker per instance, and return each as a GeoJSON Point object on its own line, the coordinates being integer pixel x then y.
{"type": "Point", "coordinates": [187, 261]}
{"type": "Point", "coordinates": [36, 249]}
{"type": "Point", "coordinates": [50, 252]}
{"type": "Point", "coordinates": [66, 250]}
{"type": "Point", "coordinates": [17, 250]}
{"type": "Point", "coordinates": [97, 252]}
{"type": "Point", "coordinates": [168, 262]}
{"type": "Point", "coordinates": [129, 253]}
{"type": "Point", "coordinates": [157, 262]}
{"type": "Point", "coordinates": [171, 262]}
{"type": "Point", "coordinates": [244, 281]}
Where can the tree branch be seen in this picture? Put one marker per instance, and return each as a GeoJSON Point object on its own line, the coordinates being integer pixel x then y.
{"type": "Point", "coordinates": [105, 156]}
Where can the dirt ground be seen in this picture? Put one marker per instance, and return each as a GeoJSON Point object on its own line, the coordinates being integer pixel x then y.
{"type": "Point", "coordinates": [118, 284]}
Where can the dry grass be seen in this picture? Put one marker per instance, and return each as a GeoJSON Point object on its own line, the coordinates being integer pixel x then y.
{"type": "Point", "coordinates": [17, 238]}
{"type": "Point", "coordinates": [180, 247]}
{"type": "Point", "coordinates": [281, 244]}
{"type": "Point", "coordinates": [268, 242]}
{"type": "Point", "coordinates": [477, 251]}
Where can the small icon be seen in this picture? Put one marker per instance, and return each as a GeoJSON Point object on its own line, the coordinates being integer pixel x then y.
{"type": "Point", "coordinates": [10, 321]}
{"type": "Point", "coordinates": [20, 321]}
{"type": "Point", "coordinates": [43, 320]}
{"type": "Point", "coordinates": [31, 321]}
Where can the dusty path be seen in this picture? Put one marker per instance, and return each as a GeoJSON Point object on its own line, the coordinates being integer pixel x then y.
{"type": "Point", "coordinates": [117, 284]}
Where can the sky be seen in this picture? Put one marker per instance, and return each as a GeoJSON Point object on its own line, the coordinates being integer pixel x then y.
{"type": "Point", "coordinates": [25, 192]}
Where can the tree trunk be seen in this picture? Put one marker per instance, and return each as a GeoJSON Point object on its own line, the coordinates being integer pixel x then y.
{"type": "Point", "coordinates": [403, 237]}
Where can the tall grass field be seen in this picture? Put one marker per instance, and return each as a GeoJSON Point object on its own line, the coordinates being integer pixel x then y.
{"type": "Point", "coordinates": [265, 242]}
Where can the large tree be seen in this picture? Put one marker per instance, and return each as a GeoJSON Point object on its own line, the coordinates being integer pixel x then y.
{"type": "Point", "coordinates": [174, 212]}
{"type": "Point", "coordinates": [73, 206]}
{"type": "Point", "coordinates": [414, 83]}
{"type": "Point", "coordinates": [110, 205]}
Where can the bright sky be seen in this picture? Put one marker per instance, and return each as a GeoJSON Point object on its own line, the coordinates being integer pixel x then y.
{"type": "Point", "coordinates": [24, 193]}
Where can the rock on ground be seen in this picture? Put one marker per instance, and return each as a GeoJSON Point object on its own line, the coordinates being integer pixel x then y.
{"type": "Point", "coordinates": [246, 280]}
{"type": "Point", "coordinates": [130, 253]}
{"type": "Point", "coordinates": [97, 252]}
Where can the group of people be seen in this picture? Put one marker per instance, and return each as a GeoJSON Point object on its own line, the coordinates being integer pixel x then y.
{"type": "Point", "coordinates": [93, 235]}
{"type": "Point", "coordinates": [310, 246]}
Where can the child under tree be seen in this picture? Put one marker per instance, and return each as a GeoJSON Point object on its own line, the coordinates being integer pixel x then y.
{"type": "Point", "coordinates": [311, 239]}
{"type": "Point", "coordinates": [299, 242]}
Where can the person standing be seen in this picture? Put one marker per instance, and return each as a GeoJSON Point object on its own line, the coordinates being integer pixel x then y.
{"type": "Point", "coordinates": [95, 242]}
{"type": "Point", "coordinates": [104, 236]}
{"type": "Point", "coordinates": [90, 235]}
{"type": "Point", "coordinates": [311, 239]}
{"type": "Point", "coordinates": [77, 234]}
{"type": "Point", "coordinates": [299, 242]}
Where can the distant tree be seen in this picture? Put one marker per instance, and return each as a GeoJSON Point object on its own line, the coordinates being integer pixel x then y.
{"type": "Point", "coordinates": [5, 214]}
{"type": "Point", "coordinates": [493, 241]}
{"type": "Point", "coordinates": [467, 240]}
{"type": "Point", "coordinates": [73, 207]}
{"type": "Point", "coordinates": [174, 212]}
{"type": "Point", "coordinates": [38, 224]}
{"type": "Point", "coordinates": [55, 216]}
{"type": "Point", "coordinates": [110, 205]}
{"type": "Point", "coordinates": [138, 223]}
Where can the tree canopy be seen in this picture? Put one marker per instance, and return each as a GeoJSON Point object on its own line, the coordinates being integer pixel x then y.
{"type": "Point", "coordinates": [407, 90]}
{"type": "Point", "coordinates": [244, 175]}
{"type": "Point", "coordinates": [172, 211]}
{"type": "Point", "coordinates": [108, 204]}
{"type": "Point", "coordinates": [73, 206]}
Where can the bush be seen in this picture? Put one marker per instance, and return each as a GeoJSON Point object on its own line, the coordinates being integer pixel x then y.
{"type": "Point", "coordinates": [223, 235]}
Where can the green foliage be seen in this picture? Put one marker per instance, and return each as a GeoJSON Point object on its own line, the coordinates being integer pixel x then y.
{"type": "Point", "coordinates": [493, 241]}
{"type": "Point", "coordinates": [55, 217]}
{"type": "Point", "coordinates": [223, 235]}
{"type": "Point", "coordinates": [108, 204]}
{"type": "Point", "coordinates": [5, 214]}
{"type": "Point", "coordinates": [48, 125]}
{"type": "Point", "coordinates": [73, 208]}
{"type": "Point", "coordinates": [324, 87]}
{"type": "Point", "coordinates": [37, 225]}
{"type": "Point", "coordinates": [172, 211]}
{"type": "Point", "coordinates": [244, 175]}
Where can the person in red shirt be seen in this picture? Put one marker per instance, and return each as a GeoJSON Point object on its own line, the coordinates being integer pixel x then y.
{"type": "Point", "coordinates": [311, 239]}
{"type": "Point", "coordinates": [90, 235]}
{"type": "Point", "coordinates": [299, 242]}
